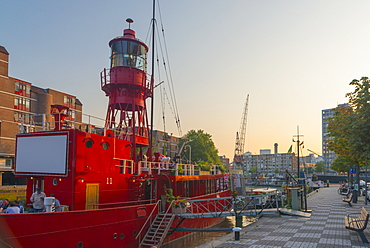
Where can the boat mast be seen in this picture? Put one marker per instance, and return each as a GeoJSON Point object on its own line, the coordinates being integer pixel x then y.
{"type": "Point", "coordinates": [152, 86]}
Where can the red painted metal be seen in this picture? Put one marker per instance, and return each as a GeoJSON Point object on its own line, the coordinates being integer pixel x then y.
{"type": "Point", "coordinates": [128, 86]}
{"type": "Point", "coordinates": [126, 193]}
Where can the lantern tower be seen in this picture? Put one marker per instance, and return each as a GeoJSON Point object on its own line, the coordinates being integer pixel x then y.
{"type": "Point", "coordinates": [128, 86]}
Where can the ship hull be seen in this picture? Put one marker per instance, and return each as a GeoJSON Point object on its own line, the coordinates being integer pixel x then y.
{"type": "Point", "coordinates": [111, 227]}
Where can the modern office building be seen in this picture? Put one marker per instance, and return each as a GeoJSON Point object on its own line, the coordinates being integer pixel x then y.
{"type": "Point", "coordinates": [25, 107]}
{"type": "Point", "coordinates": [328, 155]}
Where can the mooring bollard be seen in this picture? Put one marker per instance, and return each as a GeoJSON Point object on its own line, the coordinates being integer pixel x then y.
{"type": "Point", "coordinates": [237, 232]}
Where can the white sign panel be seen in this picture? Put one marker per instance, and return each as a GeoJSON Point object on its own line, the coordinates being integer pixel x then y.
{"type": "Point", "coordinates": [41, 154]}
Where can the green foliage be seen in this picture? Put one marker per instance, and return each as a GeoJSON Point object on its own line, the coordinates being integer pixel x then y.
{"type": "Point", "coordinates": [340, 165]}
{"type": "Point", "coordinates": [320, 166]}
{"type": "Point", "coordinates": [253, 170]}
{"type": "Point", "coordinates": [205, 168]}
{"type": "Point", "coordinates": [222, 168]}
{"type": "Point", "coordinates": [177, 201]}
{"type": "Point", "coordinates": [203, 149]}
{"type": "Point", "coordinates": [180, 169]}
{"type": "Point", "coordinates": [350, 128]}
{"type": "Point", "coordinates": [309, 170]}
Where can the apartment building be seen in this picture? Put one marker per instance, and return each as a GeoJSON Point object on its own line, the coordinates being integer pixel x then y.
{"type": "Point", "coordinates": [271, 164]}
{"type": "Point", "coordinates": [165, 143]}
{"type": "Point", "coordinates": [23, 108]}
{"type": "Point", "coordinates": [327, 154]}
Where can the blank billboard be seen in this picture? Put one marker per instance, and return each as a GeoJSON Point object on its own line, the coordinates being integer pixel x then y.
{"type": "Point", "coordinates": [41, 154]}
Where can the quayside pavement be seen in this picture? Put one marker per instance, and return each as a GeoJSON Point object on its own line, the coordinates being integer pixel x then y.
{"type": "Point", "coordinates": [325, 227]}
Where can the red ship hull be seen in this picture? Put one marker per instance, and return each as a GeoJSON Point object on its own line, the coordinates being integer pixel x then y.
{"type": "Point", "coordinates": [111, 227]}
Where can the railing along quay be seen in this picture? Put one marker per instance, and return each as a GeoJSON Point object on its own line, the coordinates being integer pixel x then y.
{"type": "Point", "coordinates": [253, 205]}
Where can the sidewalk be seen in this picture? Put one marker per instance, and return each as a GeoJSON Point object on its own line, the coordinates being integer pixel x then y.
{"type": "Point", "coordinates": [325, 227]}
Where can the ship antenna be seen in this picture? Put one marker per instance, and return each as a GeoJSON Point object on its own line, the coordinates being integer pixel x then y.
{"type": "Point", "coordinates": [152, 85]}
{"type": "Point", "coordinates": [129, 20]}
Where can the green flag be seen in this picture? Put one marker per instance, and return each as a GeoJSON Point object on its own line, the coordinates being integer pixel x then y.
{"type": "Point", "coordinates": [290, 149]}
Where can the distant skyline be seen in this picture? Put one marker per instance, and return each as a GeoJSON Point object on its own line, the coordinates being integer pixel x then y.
{"type": "Point", "coordinates": [293, 58]}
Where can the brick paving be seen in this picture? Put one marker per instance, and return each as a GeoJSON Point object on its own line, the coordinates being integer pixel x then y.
{"type": "Point", "coordinates": [325, 227]}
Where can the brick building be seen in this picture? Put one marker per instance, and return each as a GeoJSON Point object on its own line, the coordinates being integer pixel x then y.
{"type": "Point", "coordinates": [165, 143]}
{"type": "Point", "coordinates": [23, 107]}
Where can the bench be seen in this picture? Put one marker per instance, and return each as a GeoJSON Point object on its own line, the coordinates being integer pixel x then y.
{"type": "Point", "coordinates": [348, 199]}
{"type": "Point", "coordinates": [358, 224]}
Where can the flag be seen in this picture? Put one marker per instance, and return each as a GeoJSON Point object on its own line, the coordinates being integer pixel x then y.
{"type": "Point", "coordinates": [290, 149]}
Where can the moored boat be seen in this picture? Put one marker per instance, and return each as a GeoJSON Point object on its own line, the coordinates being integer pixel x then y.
{"type": "Point", "coordinates": [107, 178]}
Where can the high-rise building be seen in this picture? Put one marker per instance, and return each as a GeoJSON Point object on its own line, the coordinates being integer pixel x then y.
{"type": "Point", "coordinates": [22, 106]}
{"type": "Point", "coordinates": [328, 155]}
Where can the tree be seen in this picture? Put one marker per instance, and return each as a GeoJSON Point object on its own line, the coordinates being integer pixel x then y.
{"type": "Point", "coordinates": [350, 128]}
{"type": "Point", "coordinates": [203, 150]}
{"type": "Point", "coordinates": [319, 166]}
{"type": "Point", "coordinates": [253, 170]}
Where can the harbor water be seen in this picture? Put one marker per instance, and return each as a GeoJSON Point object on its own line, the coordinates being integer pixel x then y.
{"type": "Point", "coordinates": [199, 238]}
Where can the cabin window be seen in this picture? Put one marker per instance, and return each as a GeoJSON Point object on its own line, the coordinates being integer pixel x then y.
{"type": "Point", "coordinates": [55, 181]}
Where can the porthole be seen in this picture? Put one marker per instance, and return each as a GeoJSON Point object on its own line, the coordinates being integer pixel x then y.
{"type": "Point", "coordinates": [105, 145]}
{"type": "Point", "coordinates": [121, 236]}
{"type": "Point", "coordinates": [55, 181]}
{"type": "Point", "coordinates": [80, 245]}
{"type": "Point", "coordinates": [115, 236]}
{"type": "Point", "coordinates": [89, 143]}
{"type": "Point", "coordinates": [134, 233]}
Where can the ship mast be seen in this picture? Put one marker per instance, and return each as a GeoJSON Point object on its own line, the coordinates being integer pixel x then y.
{"type": "Point", "coordinates": [152, 86]}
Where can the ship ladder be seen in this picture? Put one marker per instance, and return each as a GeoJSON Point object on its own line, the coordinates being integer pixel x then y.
{"type": "Point", "coordinates": [158, 230]}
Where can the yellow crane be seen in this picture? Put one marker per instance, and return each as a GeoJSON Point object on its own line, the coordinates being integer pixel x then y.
{"type": "Point", "coordinates": [314, 153]}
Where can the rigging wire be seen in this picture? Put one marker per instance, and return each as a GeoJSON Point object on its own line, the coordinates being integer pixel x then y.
{"type": "Point", "coordinates": [171, 99]}
{"type": "Point", "coordinates": [169, 74]}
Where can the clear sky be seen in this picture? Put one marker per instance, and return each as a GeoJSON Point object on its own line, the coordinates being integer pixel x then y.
{"type": "Point", "coordinates": [293, 58]}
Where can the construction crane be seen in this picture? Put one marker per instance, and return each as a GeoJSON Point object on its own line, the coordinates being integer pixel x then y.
{"type": "Point", "coordinates": [314, 152]}
{"type": "Point", "coordinates": [240, 137]}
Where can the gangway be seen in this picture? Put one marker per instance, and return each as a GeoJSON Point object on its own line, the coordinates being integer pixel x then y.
{"type": "Point", "coordinates": [231, 206]}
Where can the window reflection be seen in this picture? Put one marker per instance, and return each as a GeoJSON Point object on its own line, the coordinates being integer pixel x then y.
{"type": "Point", "coordinates": [128, 53]}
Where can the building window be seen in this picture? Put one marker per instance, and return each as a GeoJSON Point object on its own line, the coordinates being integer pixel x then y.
{"type": "Point", "coordinates": [22, 117]}
{"type": "Point", "coordinates": [22, 88]}
{"type": "Point", "coordinates": [70, 101]}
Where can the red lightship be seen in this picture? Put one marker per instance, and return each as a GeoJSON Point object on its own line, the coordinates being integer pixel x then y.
{"type": "Point", "coordinates": [114, 192]}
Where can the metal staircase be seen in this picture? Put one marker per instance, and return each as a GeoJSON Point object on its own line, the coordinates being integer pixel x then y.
{"type": "Point", "coordinates": [158, 230]}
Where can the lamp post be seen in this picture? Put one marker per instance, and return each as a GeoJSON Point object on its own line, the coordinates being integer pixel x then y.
{"type": "Point", "coordinates": [189, 152]}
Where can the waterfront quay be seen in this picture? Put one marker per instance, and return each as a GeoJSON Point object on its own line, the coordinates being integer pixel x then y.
{"type": "Point", "coordinates": [324, 228]}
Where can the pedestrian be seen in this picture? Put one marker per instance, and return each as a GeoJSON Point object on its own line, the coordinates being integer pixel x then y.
{"type": "Point", "coordinates": [37, 200]}
{"type": "Point", "coordinates": [56, 204]}
{"type": "Point", "coordinates": [12, 209]}
{"type": "Point", "coordinates": [3, 205]}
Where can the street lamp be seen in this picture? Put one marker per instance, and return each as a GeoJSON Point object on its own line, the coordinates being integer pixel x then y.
{"type": "Point", "coordinates": [189, 152]}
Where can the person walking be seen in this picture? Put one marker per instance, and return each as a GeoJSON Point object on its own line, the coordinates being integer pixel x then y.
{"type": "Point", "coordinates": [37, 200]}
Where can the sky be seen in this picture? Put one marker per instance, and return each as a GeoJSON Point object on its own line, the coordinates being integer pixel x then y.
{"type": "Point", "coordinates": [293, 58]}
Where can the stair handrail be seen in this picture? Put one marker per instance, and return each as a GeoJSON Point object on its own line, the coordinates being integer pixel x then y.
{"type": "Point", "coordinates": [165, 214]}
{"type": "Point", "coordinates": [150, 215]}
